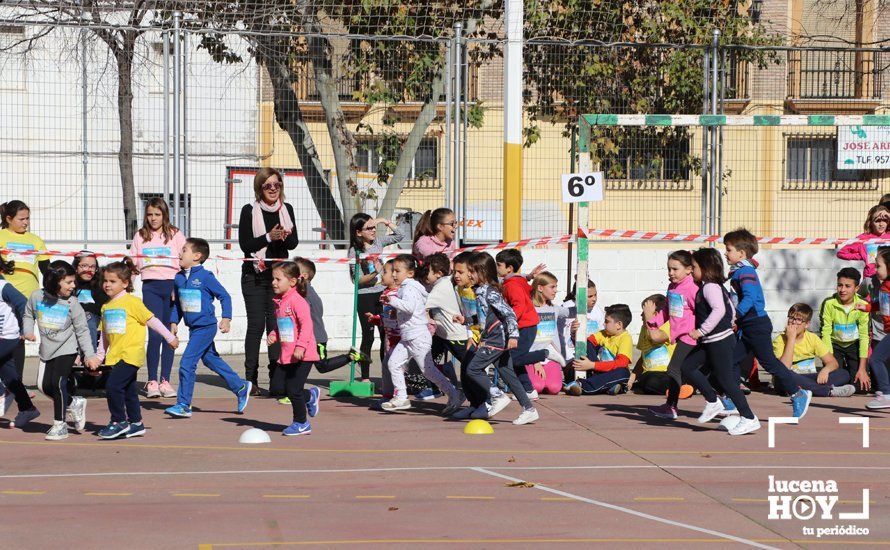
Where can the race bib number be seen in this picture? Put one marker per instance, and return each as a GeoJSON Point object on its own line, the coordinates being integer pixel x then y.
{"type": "Point", "coordinates": [884, 301]}
{"type": "Point", "coordinates": [656, 359]}
{"type": "Point", "coordinates": [806, 366]}
{"type": "Point", "coordinates": [190, 299]}
{"type": "Point", "coordinates": [17, 253]}
{"type": "Point", "coordinates": [85, 296]}
{"type": "Point", "coordinates": [286, 329]}
{"type": "Point", "coordinates": [675, 304]}
{"type": "Point", "coordinates": [846, 332]}
{"type": "Point", "coordinates": [593, 326]}
{"type": "Point", "coordinates": [52, 317]}
{"type": "Point", "coordinates": [153, 260]}
{"type": "Point", "coordinates": [546, 328]}
{"type": "Point", "coordinates": [605, 354]}
{"type": "Point", "coordinates": [115, 321]}
{"type": "Point", "coordinates": [871, 252]}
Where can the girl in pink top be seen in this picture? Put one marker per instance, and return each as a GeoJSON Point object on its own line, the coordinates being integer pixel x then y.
{"type": "Point", "coordinates": [681, 311]}
{"type": "Point", "coordinates": [875, 228]}
{"type": "Point", "coordinates": [156, 239]}
{"type": "Point", "coordinates": [297, 339]}
{"type": "Point", "coordinates": [435, 233]}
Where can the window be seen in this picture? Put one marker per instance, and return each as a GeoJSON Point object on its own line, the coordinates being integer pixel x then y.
{"type": "Point", "coordinates": [637, 158]}
{"type": "Point", "coordinates": [145, 197]}
{"type": "Point", "coordinates": [156, 66]}
{"type": "Point", "coordinates": [811, 164]}
{"type": "Point", "coordinates": [12, 57]}
{"type": "Point", "coordinates": [424, 173]}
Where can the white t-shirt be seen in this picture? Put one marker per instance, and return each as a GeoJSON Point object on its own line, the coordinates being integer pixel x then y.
{"type": "Point", "coordinates": [442, 306]}
{"type": "Point", "coordinates": [596, 320]}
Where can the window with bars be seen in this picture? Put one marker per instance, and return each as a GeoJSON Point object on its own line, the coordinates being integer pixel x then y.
{"type": "Point", "coordinates": [424, 173]}
{"type": "Point", "coordinates": [648, 161]}
{"type": "Point", "coordinates": [811, 164]}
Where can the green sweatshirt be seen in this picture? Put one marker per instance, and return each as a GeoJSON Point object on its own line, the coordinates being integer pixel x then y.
{"type": "Point", "coordinates": [843, 328]}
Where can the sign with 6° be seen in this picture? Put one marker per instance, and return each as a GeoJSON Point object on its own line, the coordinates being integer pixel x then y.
{"type": "Point", "coordinates": [582, 187]}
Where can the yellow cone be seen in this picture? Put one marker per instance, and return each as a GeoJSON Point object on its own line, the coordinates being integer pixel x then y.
{"type": "Point", "coordinates": [478, 427]}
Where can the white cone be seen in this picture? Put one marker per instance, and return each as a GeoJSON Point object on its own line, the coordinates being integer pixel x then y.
{"type": "Point", "coordinates": [254, 436]}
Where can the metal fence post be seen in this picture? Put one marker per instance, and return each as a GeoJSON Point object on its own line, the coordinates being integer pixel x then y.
{"type": "Point", "coordinates": [459, 191]}
{"type": "Point", "coordinates": [187, 207]}
{"type": "Point", "coordinates": [84, 137]}
{"type": "Point", "coordinates": [449, 97]}
{"type": "Point", "coordinates": [704, 144]}
{"type": "Point", "coordinates": [712, 202]}
{"type": "Point", "coordinates": [177, 96]}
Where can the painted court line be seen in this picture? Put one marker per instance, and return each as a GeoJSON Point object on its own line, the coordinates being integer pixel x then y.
{"type": "Point", "coordinates": [23, 492]}
{"type": "Point", "coordinates": [286, 496]}
{"type": "Point", "coordinates": [659, 499]}
{"type": "Point", "coordinates": [375, 497]}
{"type": "Point", "coordinates": [468, 497]}
{"type": "Point", "coordinates": [107, 494]}
{"type": "Point", "coordinates": [195, 495]}
{"type": "Point", "coordinates": [628, 510]}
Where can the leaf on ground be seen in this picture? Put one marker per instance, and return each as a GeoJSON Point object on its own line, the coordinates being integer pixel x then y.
{"type": "Point", "coordinates": [393, 508]}
{"type": "Point", "coordinates": [521, 484]}
{"type": "Point", "coordinates": [511, 459]}
{"type": "Point", "coordinates": [706, 456]}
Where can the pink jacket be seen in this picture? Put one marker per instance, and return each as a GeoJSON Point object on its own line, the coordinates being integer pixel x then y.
{"type": "Point", "coordinates": [161, 269]}
{"type": "Point", "coordinates": [863, 252]}
{"type": "Point", "coordinates": [681, 309]}
{"type": "Point", "coordinates": [427, 245]}
{"type": "Point", "coordinates": [294, 328]}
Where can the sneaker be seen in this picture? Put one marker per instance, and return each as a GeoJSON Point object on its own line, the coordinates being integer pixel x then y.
{"type": "Point", "coordinates": [428, 394]}
{"type": "Point", "coordinates": [312, 405]}
{"type": "Point", "coordinates": [243, 396]}
{"type": "Point", "coordinates": [6, 401]}
{"type": "Point", "coordinates": [533, 395]}
{"type": "Point", "coordinates": [464, 413]}
{"type": "Point", "coordinates": [664, 411]}
{"type": "Point", "coordinates": [396, 404]}
{"type": "Point", "coordinates": [616, 389]}
{"type": "Point", "coordinates": [454, 403]}
{"type": "Point", "coordinates": [730, 422]}
{"type": "Point", "coordinates": [58, 432]}
{"type": "Point", "coordinates": [298, 428]}
{"type": "Point", "coordinates": [495, 392]}
{"type": "Point", "coordinates": [686, 391]}
{"type": "Point", "coordinates": [527, 416]}
{"type": "Point", "coordinates": [745, 426]}
{"type": "Point", "coordinates": [846, 390]}
{"type": "Point", "coordinates": [77, 413]}
{"type": "Point", "coordinates": [358, 357]}
{"type": "Point", "coordinates": [498, 404]}
{"type": "Point", "coordinates": [483, 412]}
{"type": "Point", "coordinates": [114, 430]}
{"type": "Point", "coordinates": [179, 410]}
{"type": "Point", "coordinates": [573, 388]}
{"type": "Point", "coordinates": [729, 407]}
{"type": "Point", "coordinates": [745, 389]}
{"type": "Point", "coordinates": [711, 410]}
{"type": "Point", "coordinates": [24, 417]}
{"type": "Point", "coordinates": [136, 429]}
{"type": "Point", "coordinates": [151, 389]}
{"type": "Point", "coordinates": [800, 402]}
{"type": "Point", "coordinates": [284, 401]}
{"type": "Point", "coordinates": [881, 401]}
{"type": "Point", "coordinates": [166, 389]}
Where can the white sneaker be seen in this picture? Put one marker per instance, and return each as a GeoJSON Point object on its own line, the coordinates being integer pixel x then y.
{"type": "Point", "coordinates": [533, 395]}
{"type": "Point", "coordinates": [881, 401]}
{"type": "Point", "coordinates": [745, 426]}
{"type": "Point", "coordinates": [555, 356]}
{"type": "Point", "coordinates": [454, 403]}
{"type": "Point", "coordinates": [495, 392]}
{"type": "Point", "coordinates": [711, 410]}
{"type": "Point", "coordinates": [498, 404]}
{"type": "Point", "coordinates": [24, 417]}
{"type": "Point", "coordinates": [58, 432]}
{"type": "Point", "coordinates": [729, 422]}
{"type": "Point", "coordinates": [527, 416]}
{"type": "Point", "coordinates": [396, 404]}
{"type": "Point", "coordinates": [77, 413]}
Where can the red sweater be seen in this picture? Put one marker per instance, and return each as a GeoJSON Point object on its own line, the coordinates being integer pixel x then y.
{"type": "Point", "coordinates": [875, 306]}
{"type": "Point", "coordinates": [518, 294]}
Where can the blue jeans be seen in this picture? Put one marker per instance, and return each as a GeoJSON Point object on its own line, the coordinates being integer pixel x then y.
{"type": "Point", "coordinates": [158, 298]}
{"type": "Point", "coordinates": [755, 334]}
{"type": "Point", "coordinates": [479, 361]}
{"type": "Point", "coordinates": [835, 378]}
{"type": "Point", "coordinates": [599, 382]}
{"type": "Point", "coordinates": [122, 395]}
{"type": "Point", "coordinates": [200, 347]}
{"type": "Point", "coordinates": [877, 363]}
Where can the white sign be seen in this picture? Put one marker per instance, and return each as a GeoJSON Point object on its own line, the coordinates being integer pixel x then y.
{"type": "Point", "coordinates": [863, 147]}
{"type": "Point", "coordinates": [582, 187]}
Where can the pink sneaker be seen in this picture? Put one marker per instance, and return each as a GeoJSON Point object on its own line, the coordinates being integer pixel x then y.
{"type": "Point", "coordinates": [151, 389]}
{"type": "Point", "coordinates": [166, 389]}
{"type": "Point", "coordinates": [664, 411]}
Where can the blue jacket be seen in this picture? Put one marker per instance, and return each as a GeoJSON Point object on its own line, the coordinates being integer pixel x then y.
{"type": "Point", "coordinates": [746, 284]}
{"type": "Point", "coordinates": [193, 298]}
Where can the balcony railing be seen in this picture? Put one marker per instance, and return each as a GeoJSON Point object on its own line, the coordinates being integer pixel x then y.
{"type": "Point", "coordinates": [834, 74]}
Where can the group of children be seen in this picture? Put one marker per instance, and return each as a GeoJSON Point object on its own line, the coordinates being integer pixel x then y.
{"type": "Point", "coordinates": [504, 328]}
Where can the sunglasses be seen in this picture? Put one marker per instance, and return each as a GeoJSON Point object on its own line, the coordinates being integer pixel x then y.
{"type": "Point", "coordinates": [452, 224]}
{"type": "Point", "coordinates": [271, 186]}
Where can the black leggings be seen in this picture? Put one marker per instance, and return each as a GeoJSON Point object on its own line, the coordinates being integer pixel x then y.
{"type": "Point", "coordinates": [718, 355]}
{"type": "Point", "coordinates": [56, 373]}
{"type": "Point", "coordinates": [260, 310]}
{"type": "Point", "coordinates": [295, 375]}
{"type": "Point", "coordinates": [681, 350]}
{"type": "Point", "coordinates": [369, 303]}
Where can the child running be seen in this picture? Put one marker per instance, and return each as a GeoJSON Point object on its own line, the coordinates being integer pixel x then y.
{"type": "Point", "coordinates": [195, 288]}
{"type": "Point", "coordinates": [124, 322]}
{"type": "Point", "coordinates": [12, 309]}
{"type": "Point", "coordinates": [298, 347]}
{"type": "Point", "coordinates": [63, 327]}
{"type": "Point", "coordinates": [416, 341]}
{"type": "Point", "coordinates": [442, 305]}
{"type": "Point", "coordinates": [499, 335]}
{"type": "Point", "coordinates": [390, 323]}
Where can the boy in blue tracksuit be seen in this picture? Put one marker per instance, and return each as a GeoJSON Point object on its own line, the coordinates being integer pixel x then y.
{"type": "Point", "coordinates": [194, 290]}
{"type": "Point", "coordinates": [755, 328]}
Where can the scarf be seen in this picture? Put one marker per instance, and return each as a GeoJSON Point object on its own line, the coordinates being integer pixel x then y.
{"type": "Point", "coordinates": [259, 227]}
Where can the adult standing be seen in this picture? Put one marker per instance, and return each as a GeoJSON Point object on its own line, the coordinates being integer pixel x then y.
{"type": "Point", "coordinates": [15, 220]}
{"type": "Point", "coordinates": [265, 232]}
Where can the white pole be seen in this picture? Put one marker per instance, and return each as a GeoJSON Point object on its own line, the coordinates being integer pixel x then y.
{"type": "Point", "coordinates": [177, 106]}
{"type": "Point", "coordinates": [513, 121]}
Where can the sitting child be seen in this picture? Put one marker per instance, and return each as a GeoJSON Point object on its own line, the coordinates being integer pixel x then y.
{"type": "Point", "coordinates": [613, 345]}
{"type": "Point", "coordinates": [650, 373]}
{"type": "Point", "coordinates": [797, 348]}
{"type": "Point", "coordinates": [845, 328]}
{"type": "Point", "coordinates": [547, 378]}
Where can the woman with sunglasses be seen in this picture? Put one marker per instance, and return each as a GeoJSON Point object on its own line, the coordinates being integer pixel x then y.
{"type": "Point", "coordinates": [89, 293]}
{"type": "Point", "coordinates": [435, 233]}
{"type": "Point", "coordinates": [363, 239]}
{"type": "Point", "coordinates": [266, 233]}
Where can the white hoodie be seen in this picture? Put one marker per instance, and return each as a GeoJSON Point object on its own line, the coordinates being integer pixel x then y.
{"type": "Point", "coordinates": [410, 306]}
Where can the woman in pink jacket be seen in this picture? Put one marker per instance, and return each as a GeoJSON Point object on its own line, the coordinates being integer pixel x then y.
{"type": "Point", "coordinates": [295, 335]}
{"type": "Point", "coordinates": [156, 247]}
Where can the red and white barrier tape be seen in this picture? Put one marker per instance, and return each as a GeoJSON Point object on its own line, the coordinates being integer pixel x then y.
{"type": "Point", "coordinates": [635, 235]}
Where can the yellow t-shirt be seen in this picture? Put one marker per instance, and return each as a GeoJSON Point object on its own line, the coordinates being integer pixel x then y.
{"type": "Point", "coordinates": [123, 324]}
{"type": "Point", "coordinates": [805, 352]}
{"type": "Point", "coordinates": [613, 346]}
{"type": "Point", "coordinates": [655, 358]}
{"type": "Point", "coordinates": [25, 278]}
